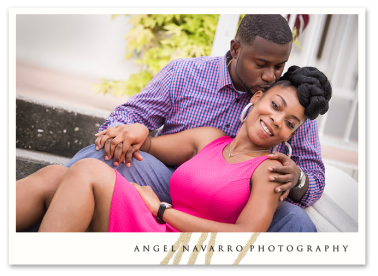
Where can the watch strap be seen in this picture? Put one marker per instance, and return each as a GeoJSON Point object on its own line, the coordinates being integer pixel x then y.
{"type": "Point", "coordinates": [301, 181]}
{"type": "Point", "coordinates": [162, 208]}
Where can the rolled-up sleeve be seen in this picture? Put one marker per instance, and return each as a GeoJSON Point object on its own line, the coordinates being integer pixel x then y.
{"type": "Point", "coordinates": [149, 107]}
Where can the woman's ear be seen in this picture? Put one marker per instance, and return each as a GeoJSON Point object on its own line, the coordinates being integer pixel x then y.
{"type": "Point", "coordinates": [291, 135]}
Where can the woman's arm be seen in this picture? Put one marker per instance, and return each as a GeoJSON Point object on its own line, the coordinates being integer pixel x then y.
{"type": "Point", "coordinates": [264, 201]}
{"type": "Point", "coordinates": [255, 217]}
{"type": "Point", "coordinates": [177, 148]}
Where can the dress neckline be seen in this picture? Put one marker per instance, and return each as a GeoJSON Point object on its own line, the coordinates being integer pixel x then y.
{"type": "Point", "coordinates": [229, 140]}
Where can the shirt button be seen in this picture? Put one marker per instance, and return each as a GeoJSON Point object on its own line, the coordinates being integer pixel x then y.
{"type": "Point", "coordinates": [227, 125]}
{"type": "Point", "coordinates": [237, 101]}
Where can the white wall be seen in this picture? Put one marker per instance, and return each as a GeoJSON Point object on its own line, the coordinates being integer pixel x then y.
{"type": "Point", "coordinates": [86, 45]}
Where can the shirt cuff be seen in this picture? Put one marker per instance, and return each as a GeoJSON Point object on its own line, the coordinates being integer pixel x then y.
{"type": "Point", "coordinates": [115, 123]}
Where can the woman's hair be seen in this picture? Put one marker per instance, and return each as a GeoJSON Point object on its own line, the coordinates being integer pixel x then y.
{"type": "Point", "coordinates": [272, 27]}
{"type": "Point", "coordinates": [314, 91]}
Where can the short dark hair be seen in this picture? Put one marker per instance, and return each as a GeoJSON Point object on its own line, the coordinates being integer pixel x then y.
{"type": "Point", "coordinates": [272, 27]}
{"type": "Point", "coordinates": [314, 91]}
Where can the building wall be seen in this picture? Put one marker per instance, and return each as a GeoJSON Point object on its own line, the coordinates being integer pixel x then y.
{"type": "Point", "coordinates": [86, 45]}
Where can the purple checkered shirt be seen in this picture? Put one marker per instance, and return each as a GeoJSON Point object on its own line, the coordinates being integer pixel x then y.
{"type": "Point", "coordinates": [195, 92]}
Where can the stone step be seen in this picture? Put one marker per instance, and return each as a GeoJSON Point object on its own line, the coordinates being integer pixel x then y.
{"type": "Point", "coordinates": [52, 133]}
{"type": "Point", "coordinates": [54, 129]}
{"type": "Point", "coordinates": [30, 161]}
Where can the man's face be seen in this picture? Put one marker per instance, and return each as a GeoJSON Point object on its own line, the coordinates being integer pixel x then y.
{"type": "Point", "coordinates": [257, 66]}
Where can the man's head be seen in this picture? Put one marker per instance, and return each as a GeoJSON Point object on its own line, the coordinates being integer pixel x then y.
{"type": "Point", "coordinates": [259, 51]}
{"type": "Point", "coordinates": [272, 27]}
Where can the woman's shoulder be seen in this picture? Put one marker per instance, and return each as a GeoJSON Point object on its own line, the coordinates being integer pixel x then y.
{"type": "Point", "coordinates": [212, 131]}
{"type": "Point", "coordinates": [207, 135]}
{"type": "Point", "coordinates": [262, 172]}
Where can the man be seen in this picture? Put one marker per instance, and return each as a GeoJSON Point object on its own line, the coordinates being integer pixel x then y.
{"type": "Point", "coordinates": [212, 91]}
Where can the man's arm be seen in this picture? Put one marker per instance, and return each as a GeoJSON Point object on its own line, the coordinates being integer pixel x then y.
{"type": "Point", "coordinates": [148, 108]}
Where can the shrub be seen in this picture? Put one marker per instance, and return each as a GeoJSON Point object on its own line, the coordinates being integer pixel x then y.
{"type": "Point", "coordinates": [156, 39]}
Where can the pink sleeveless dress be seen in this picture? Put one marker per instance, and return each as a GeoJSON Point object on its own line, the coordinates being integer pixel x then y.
{"type": "Point", "coordinates": [205, 186]}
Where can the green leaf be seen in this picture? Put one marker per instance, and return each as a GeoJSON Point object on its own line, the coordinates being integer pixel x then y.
{"type": "Point", "coordinates": [156, 39]}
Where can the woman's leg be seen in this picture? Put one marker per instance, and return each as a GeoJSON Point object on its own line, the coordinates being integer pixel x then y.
{"type": "Point", "coordinates": [34, 194]}
{"type": "Point", "coordinates": [149, 172]}
{"type": "Point", "coordinates": [83, 199]}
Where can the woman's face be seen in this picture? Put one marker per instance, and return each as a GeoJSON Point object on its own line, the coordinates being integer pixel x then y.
{"type": "Point", "coordinates": [275, 116]}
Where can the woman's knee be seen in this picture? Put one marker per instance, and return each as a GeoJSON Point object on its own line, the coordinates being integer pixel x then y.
{"type": "Point", "coordinates": [49, 177]}
{"type": "Point", "coordinates": [52, 171]}
{"type": "Point", "coordinates": [90, 171]}
{"type": "Point", "coordinates": [89, 166]}
{"type": "Point", "coordinates": [43, 184]}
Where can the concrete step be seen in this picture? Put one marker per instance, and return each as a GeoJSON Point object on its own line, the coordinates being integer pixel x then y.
{"type": "Point", "coordinates": [30, 161]}
{"type": "Point", "coordinates": [52, 133]}
{"type": "Point", "coordinates": [53, 129]}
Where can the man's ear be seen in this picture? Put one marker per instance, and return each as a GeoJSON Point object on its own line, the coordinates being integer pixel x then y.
{"type": "Point", "coordinates": [234, 48]}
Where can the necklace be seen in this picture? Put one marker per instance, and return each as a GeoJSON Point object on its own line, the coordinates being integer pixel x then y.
{"type": "Point", "coordinates": [229, 63]}
{"type": "Point", "coordinates": [231, 155]}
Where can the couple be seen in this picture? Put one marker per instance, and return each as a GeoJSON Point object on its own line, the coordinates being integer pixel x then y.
{"type": "Point", "coordinates": [107, 201]}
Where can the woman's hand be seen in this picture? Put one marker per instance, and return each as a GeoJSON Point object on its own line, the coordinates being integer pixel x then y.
{"type": "Point", "coordinates": [149, 197]}
{"type": "Point", "coordinates": [122, 141]}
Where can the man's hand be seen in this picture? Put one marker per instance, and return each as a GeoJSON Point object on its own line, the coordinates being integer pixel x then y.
{"type": "Point", "coordinates": [122, 142]}
{"type": "Point", "coordinates": [289, 171]}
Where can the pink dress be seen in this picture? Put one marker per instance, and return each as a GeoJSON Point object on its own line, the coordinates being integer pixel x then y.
{"type": "Point", "coordinates": [205, 186]}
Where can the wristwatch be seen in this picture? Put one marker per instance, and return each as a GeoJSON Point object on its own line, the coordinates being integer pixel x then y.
{"type": "Point", "coordinates": [163, 206]}
{"type": "Point", "coordinates": [301, 181]}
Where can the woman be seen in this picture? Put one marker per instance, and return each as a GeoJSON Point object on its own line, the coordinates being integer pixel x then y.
{"type": "Point", "coordinates": [221, 185]}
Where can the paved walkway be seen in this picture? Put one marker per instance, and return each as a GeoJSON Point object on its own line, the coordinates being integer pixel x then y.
{"type": "Point", "coordinates": [50, 85]}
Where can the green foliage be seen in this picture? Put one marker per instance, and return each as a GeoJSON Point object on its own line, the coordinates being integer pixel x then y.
{"type": "Point", "coordinates": [156, 39]}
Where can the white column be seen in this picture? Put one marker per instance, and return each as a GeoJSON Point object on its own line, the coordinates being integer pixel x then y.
{"type": "Point", "coordinates": [352, 113]}
{"type": "Point", "coordinates": [337, 68]}
{"type": "Point", "coordinates": [226, 30]}
{"type": "Point", "coordinates": [291, 22]}
{"type": "Point", "coordinates": [315, 41]}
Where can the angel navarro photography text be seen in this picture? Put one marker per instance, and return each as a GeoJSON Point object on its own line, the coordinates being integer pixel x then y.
{"type": "Point", "coordinates": [335, 248]}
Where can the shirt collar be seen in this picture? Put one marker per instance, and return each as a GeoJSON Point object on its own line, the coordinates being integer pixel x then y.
{"type": "Point", "coordinates": [224, 75]}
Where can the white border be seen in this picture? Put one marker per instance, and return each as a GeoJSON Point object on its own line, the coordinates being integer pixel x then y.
{"type": "Point", "coordinates": [117, 248]}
